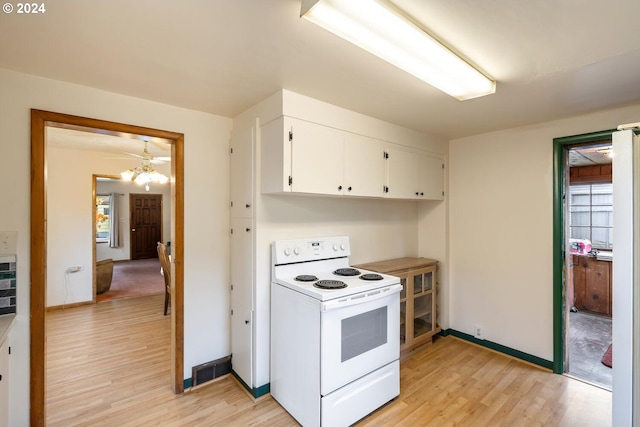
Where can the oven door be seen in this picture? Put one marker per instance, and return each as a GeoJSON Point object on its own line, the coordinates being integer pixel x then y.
{"type": "Point", "coordinates": [359, 334]}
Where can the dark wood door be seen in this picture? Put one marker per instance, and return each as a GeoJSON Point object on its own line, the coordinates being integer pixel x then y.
{"type": "Point", "coordinates": [146, 225]}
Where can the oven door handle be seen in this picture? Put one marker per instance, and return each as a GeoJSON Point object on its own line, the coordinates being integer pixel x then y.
{"type": "Point", "coordinates": [361, 298]}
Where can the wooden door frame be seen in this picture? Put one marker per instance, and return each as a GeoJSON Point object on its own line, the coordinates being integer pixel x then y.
{"type": "Point", "coordinates": [131, 196]}
{"type": "Point", "coordinates": [38, 255]}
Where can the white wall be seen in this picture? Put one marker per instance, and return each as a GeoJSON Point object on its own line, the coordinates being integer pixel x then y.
{"type": "Point", "coordinates": [500, 220]}
{"type": "Point", "coordinates": [206, 260]}
{"type": "Point", "coordinates": [124, 190]}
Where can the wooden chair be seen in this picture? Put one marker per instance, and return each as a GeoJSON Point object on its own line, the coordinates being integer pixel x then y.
{"type": "Point", "coordinates": [163, 255]}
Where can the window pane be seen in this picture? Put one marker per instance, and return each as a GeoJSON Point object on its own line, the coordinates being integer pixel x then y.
{"type": "Point", "coordinates": [580, 233]}
{"type": "Point", "coordinates": [602, 218]}
{"type": "Point", "coordinates": [602, 237]}
{"type": "Point", "coordinates": [580, 199]}
{"type": "Point", "coordinates": [102, 217]}
{"type": "Point", "coordinates": [580, 215]}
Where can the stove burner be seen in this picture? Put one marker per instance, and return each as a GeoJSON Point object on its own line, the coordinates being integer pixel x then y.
{"type": "Point", "coordinates": [346, 272]}
{"type": "Point", "coordinates": [306, 278]}
{"type": "Point", "coordinates": [330, 284]}
{"type": "Point", "coordinates": [371, 276]}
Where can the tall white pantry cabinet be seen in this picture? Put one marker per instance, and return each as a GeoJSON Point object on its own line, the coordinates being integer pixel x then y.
{"type": "Point", "coordinates": [291, 144]}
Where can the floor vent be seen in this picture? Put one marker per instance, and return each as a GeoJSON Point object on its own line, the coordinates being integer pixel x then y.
{"type": "Point", "coordinates": [210, 370]}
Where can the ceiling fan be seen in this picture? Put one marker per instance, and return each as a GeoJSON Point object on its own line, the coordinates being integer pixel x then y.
{"type": "Point", "coordinates": [145, 174]}
{"type": "Point", "coordinates": [145, 156]}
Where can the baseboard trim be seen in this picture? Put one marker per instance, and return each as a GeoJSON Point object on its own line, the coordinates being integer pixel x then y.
{"type": "Point", "coordinates": [255, 392]}
{"type": "Point", "coordinates": [65, 306]}
{"type": "Point", "coordinates": [547, 364]}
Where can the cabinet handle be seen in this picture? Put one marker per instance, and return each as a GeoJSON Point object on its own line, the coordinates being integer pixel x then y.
{"type": "Point", "coordinates": [421, 193]}
{"type": "Point", "coordinates": [417, 194]}
{"type": "Point", "coordinates": [339, 187]}
{"type": "Point", "coordinates": [247, 205]}
{"type": "Point", "coordinates": [349, 188]}
{"type": "Point", "coordinates": [246, 322]}
{"type": "Point", "coordinates": [247, 229]}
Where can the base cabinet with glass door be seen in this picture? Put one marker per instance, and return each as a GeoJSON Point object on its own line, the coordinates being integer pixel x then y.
{"type": "Point", "coordinates": [418, 298]}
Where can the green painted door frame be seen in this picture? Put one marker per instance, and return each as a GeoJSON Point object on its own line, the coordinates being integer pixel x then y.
{"type": "Point", "coordinates": [559, 150]}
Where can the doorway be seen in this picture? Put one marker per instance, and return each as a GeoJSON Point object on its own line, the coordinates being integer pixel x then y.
{"type": "Point", "coordinates": [588, 212]}
{"type": "Point", "coordinates": [582, 315]}
{"type": "Point", "coordinates": [40, 120]}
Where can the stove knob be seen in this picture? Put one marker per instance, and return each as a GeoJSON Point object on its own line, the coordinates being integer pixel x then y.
{"type": "Point", "coordinates": [335, 247]}
{"type": "Point", "coordinates": [343, 246]}
{"type": "Point", "coordinates": [296, 251]}
{"type": "Point", "coordinates": [287, 252]}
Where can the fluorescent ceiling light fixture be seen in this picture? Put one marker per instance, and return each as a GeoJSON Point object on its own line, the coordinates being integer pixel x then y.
{"type": "Point", "coordinates": [380, 29]}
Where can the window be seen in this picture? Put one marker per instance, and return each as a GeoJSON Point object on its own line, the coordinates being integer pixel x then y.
{"type": "Point", "coordinates": [102, 218]}
{"type": "Point", "coordinates": [591, 214]}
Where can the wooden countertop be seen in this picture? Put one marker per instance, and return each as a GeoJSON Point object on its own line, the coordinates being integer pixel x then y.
{"type": "Point", "coordinates": [5, 325]}
{"type": "Point", "coordinates": [397, 264]}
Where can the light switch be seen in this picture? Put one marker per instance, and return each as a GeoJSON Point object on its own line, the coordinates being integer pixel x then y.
{"type": "Point", "coordinates": [8, 242]}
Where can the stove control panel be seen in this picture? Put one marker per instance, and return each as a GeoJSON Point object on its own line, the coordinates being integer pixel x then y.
{"type": "Point", "coordinates": [300, 250]}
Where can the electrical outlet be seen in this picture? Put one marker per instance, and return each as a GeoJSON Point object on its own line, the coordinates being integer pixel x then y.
{"type": "Point", "coordinates": [479, 333]}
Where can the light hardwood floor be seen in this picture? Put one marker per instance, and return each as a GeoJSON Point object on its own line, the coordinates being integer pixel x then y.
{"type": "Point", "coordinates": [108, 365]}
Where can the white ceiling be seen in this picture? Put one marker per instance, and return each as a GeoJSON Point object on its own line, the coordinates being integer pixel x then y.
{"type": "Point", "coordinates": [551, 58]}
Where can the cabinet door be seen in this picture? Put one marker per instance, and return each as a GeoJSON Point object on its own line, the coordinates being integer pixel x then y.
{"type": "Point", "coordinates": [424, 302]}
{"type": "Point", "coordinates": [598, 290]}
{"type": "Point", "coordinates": [431, 185]}
{"type": "Point", "coordinates": [242, 167]}
{"type": "Point", "coordinates": [242, 298]}
{"type": "Point", "coordinates": [423, 316]}
{"type": "Point", "coordinates": [275, 156]}
{"type": "Point", "coordinates": [363, 166]}
{"type": "Point", "coordinates": [402, 174]}
{"type": "Point", "coordinates": [317, 159]}
{"type": "Point", "coordinates": [580, 282]}
{"type": "Point", "coordinates": [4, 384]}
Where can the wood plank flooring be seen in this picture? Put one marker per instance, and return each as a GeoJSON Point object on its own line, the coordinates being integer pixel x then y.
{"type": "Point", "coordinates": [108, 365]}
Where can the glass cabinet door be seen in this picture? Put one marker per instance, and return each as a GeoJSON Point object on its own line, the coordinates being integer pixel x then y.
{"type": "Point", "coordinates": [423, 315]}
{"type": "Point", "coordinates": [422, 282]}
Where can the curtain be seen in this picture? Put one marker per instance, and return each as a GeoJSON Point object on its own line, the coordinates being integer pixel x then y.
{"type": "Point", "coordinates": [114, 221]}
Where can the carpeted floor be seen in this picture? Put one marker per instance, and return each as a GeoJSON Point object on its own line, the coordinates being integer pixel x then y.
{"type": "Point", "coordinates": [589, 339]}
{"type": "Point", "coordinates": [134, 279]}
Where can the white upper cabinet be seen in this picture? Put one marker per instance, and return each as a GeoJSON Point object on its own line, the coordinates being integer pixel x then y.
{"type": "Point", "coordinates": [431, 177]}
{"type": "Point", "coordinates": [364, 166]}
{"type": "Point", "coordinates": [317, 158]}
{"type": "Point", "coordinates": [414, 175]}
{"type": "Point", "coordinates": [242, 178]}
{"type": "Point", "coordinates": [304, 157]}
{"type": "Point", "coordinates": [402, 173]}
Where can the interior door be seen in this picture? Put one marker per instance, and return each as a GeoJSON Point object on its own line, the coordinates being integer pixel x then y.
{"type": "Point", "coordinates": [242, 299]}
{"type": "Point", "coordinates": [626, 272]}
{"type": "Point", "coordinates": [146, 225]}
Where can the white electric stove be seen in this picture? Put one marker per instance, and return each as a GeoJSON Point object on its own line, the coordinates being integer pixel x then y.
{"type": "Point", "coordinates": [335, 342]}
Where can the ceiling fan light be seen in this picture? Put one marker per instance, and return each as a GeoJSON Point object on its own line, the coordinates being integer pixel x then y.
{"type": "Point", "coordinates": [385, 32]}
{"type": "Point", "coordinates": [127, 175]}
{"type": "Point", "coordinates": [142, 178]}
